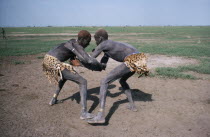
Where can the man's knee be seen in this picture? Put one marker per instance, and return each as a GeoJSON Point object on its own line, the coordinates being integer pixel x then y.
{"type": "Point", "coordinates": [83, 81]}
{"type": "Point", "coordinates": [104, 81]}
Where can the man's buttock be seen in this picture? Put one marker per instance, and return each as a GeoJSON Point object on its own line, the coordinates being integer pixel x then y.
{"type": "Point", "coordinates": [137, 62]}
{"type": "Point", "coordinates": [52, 68]}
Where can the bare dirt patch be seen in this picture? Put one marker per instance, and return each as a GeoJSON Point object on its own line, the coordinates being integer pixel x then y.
{"type": "Point", "coordinates": [167, 107]}
{"type": "Point", "coordinates": [128, 34]}
{"type": "Point", "coordinates": [155, 61]}
{"type": "Point", "coordinates": [47, 34]}
{"type": "Point", "coordinates": [23, 38]}
{"type": "Point", "coordinates": [17, 32]}
{"type": "Point", "coordinates": [198, 75]}
{"type": "Point", "coordinates": [58, 38]}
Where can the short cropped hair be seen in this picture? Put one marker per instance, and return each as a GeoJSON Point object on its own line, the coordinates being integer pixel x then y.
{"type": "Point", "coordinates": [101, 33]}
{"type": "Point", "coordinates": [84, 34]}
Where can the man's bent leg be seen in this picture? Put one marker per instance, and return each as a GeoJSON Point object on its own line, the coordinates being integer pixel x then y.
{"type": "Point", "coordinates": [115, 74]}
{"type": "Point", "coordinates": [54, 99]}
{"type": "Point", "coordinates": [83, 91]}
{"type": "Point", "coordinates": [127, 90]}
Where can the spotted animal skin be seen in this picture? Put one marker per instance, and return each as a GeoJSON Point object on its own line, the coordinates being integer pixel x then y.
{"type": "Point", "coordinates": [52, 68]}
{"type": "Point", "coordinates": [137, 63]}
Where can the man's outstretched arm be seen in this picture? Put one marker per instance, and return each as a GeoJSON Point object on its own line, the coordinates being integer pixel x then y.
{"type": "Point", "coordinates": [97, 51]}
{"type": "Point", "coordinates": [86, 60]}
{"type": "Point", "coordinates": [73, 50]}
{"type": "Point", "coordinates": [104, 60]}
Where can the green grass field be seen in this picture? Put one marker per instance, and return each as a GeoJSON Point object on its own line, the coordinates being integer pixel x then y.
{"type": "Point", "coordinates": [188, 41]}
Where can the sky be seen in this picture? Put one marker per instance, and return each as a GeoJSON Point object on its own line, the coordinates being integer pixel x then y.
{"type": "Point", "coordinates": [22, 13]}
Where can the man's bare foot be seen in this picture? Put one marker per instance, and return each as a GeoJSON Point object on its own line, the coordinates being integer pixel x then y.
{"type": "Point", "coordinates": [97, 119]}
{"type": "Point", "coordinates": [132, 108]}
{"type": "Point", "coordinates": [55, 101]}
{"type": "Point", "coordinates": [86, 115]}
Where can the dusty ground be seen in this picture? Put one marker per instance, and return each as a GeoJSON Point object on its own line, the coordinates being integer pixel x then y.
{"type": "Point", "coordinates": [166, 107]}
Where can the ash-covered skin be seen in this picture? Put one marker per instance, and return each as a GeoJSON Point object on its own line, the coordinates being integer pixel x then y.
{"type": "Point", "coordinates": [69, 50]}
{"type": "Point", "coordinates": [117, 51]}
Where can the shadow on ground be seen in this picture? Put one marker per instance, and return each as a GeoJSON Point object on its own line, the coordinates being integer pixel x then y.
{"type": "Point", "coordinates": [137, 95]}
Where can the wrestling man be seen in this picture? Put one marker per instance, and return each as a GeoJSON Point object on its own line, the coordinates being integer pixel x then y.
{"type": "Point", "coordinates": [132, 61]}
{"type": "Point", "coordinates": [59, 72]}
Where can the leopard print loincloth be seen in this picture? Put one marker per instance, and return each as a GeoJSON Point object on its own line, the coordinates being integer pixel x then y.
{"type": "Point", "coordinates": [52, 68]}
{"type": "Point", "coordinates": [137, 63]}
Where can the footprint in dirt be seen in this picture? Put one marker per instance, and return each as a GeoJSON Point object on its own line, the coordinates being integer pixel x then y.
{"type": "Point", "coordinates": [30, 97]}
{"type": "Point", "coordinates": [15, 85]}
{"type": "Point", "coordinates": [208, 101]}
{"type": "Point", "coordinates": [2, 89]}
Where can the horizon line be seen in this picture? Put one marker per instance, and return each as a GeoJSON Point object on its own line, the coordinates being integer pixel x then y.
{"type": "Point", "coordinates": [106, 26]}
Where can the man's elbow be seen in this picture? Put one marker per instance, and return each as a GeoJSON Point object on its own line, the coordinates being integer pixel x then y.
{"type": "Point", "coordinates": [89, 61]}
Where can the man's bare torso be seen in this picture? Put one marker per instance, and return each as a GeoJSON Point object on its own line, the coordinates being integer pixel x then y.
{"type": "Point", "coordinates": [115, 50]}
{"type": "Point", "coordinates": [61, 52]}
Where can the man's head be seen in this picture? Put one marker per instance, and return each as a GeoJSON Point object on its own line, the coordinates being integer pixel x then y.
{"type": "Point", "coordinates": [100, 36]}
{"type": "Point", "coordinates": [84, 38]}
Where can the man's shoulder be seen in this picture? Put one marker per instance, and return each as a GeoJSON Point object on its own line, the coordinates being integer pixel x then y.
{"type": "Point", "coordinates": [106, 42]}
{"type": "Point", "coordinates": [111, 42]}
{"type": "Point", "coordinates": [72, 41]}
{"type": "Point", "coordinates": [121, 43]}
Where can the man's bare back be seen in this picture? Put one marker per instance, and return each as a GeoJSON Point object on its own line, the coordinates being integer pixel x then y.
{"type": "Point", "coordinates": [115, 50]}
